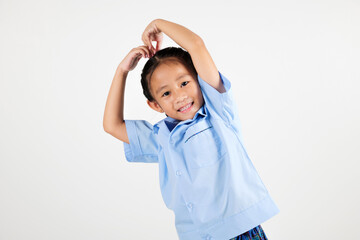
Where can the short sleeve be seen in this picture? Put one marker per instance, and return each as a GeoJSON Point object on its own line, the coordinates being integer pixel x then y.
{"type": "Point", "coordinates": [220, 104]}
{"type": "Point", "coordinates": [143, 145]}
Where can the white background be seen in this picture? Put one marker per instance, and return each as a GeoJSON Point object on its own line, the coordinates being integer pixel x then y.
{"type": "Point", "coordinates": [294, 68]}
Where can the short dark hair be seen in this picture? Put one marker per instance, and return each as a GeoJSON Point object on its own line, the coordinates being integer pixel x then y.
{"type": "Point", "coordinates": [160, 56]}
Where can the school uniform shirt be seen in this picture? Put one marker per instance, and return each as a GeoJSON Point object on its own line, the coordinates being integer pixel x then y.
{"type": "Point", "coordinates": [206, 176]}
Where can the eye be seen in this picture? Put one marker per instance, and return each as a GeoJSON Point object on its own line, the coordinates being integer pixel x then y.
{"type": "Point", "coordinates": [185, 82]}
{"type": "Point", "coordinates": [164, 94]}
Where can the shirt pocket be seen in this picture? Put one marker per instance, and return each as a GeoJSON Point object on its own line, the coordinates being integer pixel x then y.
{"type": "Point", "coordinates": [202, 145]}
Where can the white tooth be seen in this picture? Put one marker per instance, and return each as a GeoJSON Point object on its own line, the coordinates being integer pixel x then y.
{"type": "Point", "coordinates": [186, 107]}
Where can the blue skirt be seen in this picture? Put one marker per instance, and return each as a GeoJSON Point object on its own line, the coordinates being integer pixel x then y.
{"type": "Point", "coordinates": [256, 233]}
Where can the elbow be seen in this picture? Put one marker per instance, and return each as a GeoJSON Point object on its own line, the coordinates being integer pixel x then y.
{"type": "Point", "coordinates": [111, 127]}
{"type": "Point", "coordinates": [197, 43]}
{"type": "Point", "coordinates": [107, 127]}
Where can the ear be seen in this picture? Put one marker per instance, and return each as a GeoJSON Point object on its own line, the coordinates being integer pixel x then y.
{"type": "Point", "coordinates": [154, 105]}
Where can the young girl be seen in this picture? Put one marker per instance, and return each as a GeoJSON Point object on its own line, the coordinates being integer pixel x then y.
{"type": "Point", "coordinates": [206, 176]}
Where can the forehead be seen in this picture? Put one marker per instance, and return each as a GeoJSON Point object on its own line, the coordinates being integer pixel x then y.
{"type": "Point", "coordinates": [167, 71]}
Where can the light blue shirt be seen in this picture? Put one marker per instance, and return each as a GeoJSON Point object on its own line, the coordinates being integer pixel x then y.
{"type": "Point", "coordinates": [206, 176]}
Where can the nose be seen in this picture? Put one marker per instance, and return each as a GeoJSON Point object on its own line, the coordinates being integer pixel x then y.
{"type": "Point", "coordinates": [180, 96]}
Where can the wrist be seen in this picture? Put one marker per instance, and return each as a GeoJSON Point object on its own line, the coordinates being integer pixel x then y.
{"type": "Point", "coordinates": [157, 22]}
{"type": "Point", "coordinates": [120, 70]}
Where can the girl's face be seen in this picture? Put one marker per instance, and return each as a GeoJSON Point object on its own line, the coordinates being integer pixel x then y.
{"type": "Point", "coordinates": [176, 90]}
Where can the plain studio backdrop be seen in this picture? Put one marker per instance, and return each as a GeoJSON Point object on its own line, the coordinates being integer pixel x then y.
{"type": "Point", "coordinates": [295, 71]}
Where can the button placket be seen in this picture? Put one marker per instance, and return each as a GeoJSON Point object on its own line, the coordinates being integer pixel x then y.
{"type": "Point", "coordinates": [208, 237]}
{"type": "Point", "coordinates": [190, 206]}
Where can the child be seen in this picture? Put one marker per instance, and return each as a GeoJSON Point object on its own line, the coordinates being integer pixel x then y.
{"type": "Point", "coordinates": [206, 176]}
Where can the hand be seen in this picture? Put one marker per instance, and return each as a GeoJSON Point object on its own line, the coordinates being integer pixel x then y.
{"type": "Point", "coordinates": [152, 33]}
{"type": "Point", "coordinates": [133, 57]}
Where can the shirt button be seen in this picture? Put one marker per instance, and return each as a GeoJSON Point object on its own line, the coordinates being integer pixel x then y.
{"type": "Point", "coordinates": [208, 238]}
{"type": "Point", "coordinates": [178, 172]}
{"type": "Point", "coordinates": [190, 205]}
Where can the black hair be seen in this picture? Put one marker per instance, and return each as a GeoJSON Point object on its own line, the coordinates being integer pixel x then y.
{"type": "Point", "coordinates": [160, 56]}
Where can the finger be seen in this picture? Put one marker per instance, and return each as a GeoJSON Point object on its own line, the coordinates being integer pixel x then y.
{"type": "Point", "coordinates": [151, 49]}
{"type": "Point", "coordinates": [136, 58]}
{"type": "Point", "coordinates": [148, 50]}
{"type": "Point", "coordinates": [158, 45]}
{"type": "Point", "coordinates": [139, 53]}
{"type": "Point", "coordinates": [147, 38]}
{"type": "Point", "coordinates": [145, 50]}
{"type": "Point", "coordinates": [158, 38]}
{"type": "Point", "coordinates": [150, 53]}
{"type": "Point", "coordinates": [153, 38]}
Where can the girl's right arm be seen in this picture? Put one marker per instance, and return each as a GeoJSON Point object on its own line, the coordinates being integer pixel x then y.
{"type": "Point", "coordinates": [113, 122]}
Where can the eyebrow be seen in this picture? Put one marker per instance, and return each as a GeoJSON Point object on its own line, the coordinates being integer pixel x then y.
{"type": "Point", "coordinates": [177, 79]}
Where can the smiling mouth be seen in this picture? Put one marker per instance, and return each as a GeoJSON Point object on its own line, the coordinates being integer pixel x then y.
{"type": "Point", "coordinates": [186, 108]}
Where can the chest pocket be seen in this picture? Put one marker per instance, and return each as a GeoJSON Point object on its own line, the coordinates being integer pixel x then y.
{"type": "Point", "coordinates": [202, 145]}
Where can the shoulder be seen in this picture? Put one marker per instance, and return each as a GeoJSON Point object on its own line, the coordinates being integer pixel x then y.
{"type": "Point", "coordinates": [222, 88]}
{"type": "Point", "coordinates": [158, 125]}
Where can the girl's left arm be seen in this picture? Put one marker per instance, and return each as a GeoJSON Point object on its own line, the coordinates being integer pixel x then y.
{"type": "Point", "coordinates": [190, 41]}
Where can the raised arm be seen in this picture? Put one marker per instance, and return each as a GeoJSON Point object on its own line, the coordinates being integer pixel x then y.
{"type": "Point", "coordinates": [113, 122]}
{"type": "Point", "coordinates": [190, 41]}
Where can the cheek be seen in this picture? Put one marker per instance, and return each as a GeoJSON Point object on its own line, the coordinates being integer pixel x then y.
{"type": "Point", "coordinates": [166, 102]}
{"type": "Point", "coordinates": [199, 96]}
{"type": "Point", "coordinates": [197, 91]}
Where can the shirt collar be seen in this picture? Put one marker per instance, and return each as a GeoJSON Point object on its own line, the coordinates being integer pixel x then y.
{"type": "Point", "coordinates": [201, 112]}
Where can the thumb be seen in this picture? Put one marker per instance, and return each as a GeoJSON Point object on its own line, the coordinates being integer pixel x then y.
{"type": "Point", "coordinates": [158, 45]}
